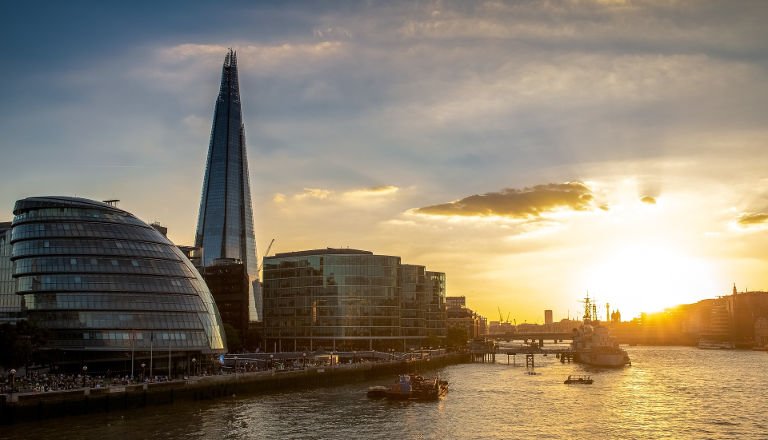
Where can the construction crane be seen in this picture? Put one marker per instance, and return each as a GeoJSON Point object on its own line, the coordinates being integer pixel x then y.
{"type": "Point", "coordinates": [265, 254]}
{"type": "Point", "coordinates": [501, 317]}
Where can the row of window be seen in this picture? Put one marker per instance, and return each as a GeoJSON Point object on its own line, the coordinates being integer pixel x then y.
{"type": "Point", "coordinates": [110, 283]}
{"type": "Point", "coordinates": [80, 230]}
{"type": "Point", "coordinates": [287, 329]}
{"type": "Point", "coordinates": [331, 270]}
{"type": "Point", "coordinates": [75, 213]}
{"type": "Point", "coordinates": [106, 301]}
{"type": "Point", "coordinates": [189, 340]}
{"type": "Point", "coordinates": [332, 260]}
{"type": "Point", "coordinates": [332, 291]}
{"type": "Point", "coordinates": [93, 247]}
{"type": "Point", "coordinates": [366, 313]}
{"type": "Point", "coordinates": [124, 320]}
{"type": "Point", "coordinates": [331, 280]}
{"type": "Point", "coordinates": [102, 265]}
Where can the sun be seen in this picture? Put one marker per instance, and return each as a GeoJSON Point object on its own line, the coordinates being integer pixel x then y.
{"type": "Point", "coordinates": [638, 277]}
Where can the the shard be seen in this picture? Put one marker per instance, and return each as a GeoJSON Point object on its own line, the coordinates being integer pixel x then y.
{"type": "Point", "coordinates": [225, 223]}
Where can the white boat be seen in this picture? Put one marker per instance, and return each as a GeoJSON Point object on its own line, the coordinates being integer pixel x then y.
{"type": "Point", "coordinates": [715, 345]}
{"type": "Point", "coordinates": [593, 344]}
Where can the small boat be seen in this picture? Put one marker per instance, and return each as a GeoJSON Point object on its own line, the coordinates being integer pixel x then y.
{"type": "Point", "coordinates": [708, 344]}
{"type": "Point", "coordinates": [580, 380]}
{"type": "Point", "coordinates": [411, 387]}
{"type": "Point", "coordinates": [377, 392]}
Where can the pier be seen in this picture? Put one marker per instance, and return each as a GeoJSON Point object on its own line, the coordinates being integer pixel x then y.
{"type": "Point", "coordinates": [487, 351]}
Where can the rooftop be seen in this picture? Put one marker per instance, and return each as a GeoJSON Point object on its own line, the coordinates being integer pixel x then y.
{"type": "Point", "coordinates": [326, 251]}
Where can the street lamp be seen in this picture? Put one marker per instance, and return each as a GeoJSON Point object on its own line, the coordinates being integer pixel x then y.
{"type": "Point", "coordinates": [85, 370]}
{"type": "Point", "coordinates": [12, 373]}
{"type": "Point", "coordinates": [235, 366]}
{"type": "Point", "coordinates": [271, 361]}
{"type": "Point", "coordinates": [194, 365]}
{"type": "Point", "coordinates": [304, 361]}
{"type": "Point", "coordinates": [142, 371]}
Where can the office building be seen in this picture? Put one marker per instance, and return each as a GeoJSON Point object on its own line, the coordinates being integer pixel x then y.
{"type": "Point", "coordinates": [225, 222]}
{"type": "Point", "coordinates": [436, 329]}
{"type": "Point", "coordinates": [464, 319]}
{"type": "Point", "coordinates": [108, 287]}
{"type": "Point", "coordinates": [413, 302]}
{"type": "Point", "coordinates": [349, 299]}
{"type": "Point", "coordinates": [548, 318]}
{"type": "Point", "coordinates": [229, 283]}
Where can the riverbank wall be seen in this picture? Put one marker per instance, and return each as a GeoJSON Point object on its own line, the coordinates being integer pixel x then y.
{"type": "Point", "coordinates": [27, 407]}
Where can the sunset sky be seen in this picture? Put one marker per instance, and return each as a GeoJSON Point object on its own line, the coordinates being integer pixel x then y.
{"type": "Point", "coordinates": [531, 150]}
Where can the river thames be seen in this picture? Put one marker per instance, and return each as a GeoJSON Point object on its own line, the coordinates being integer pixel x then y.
{"type": "Point", "coordinates": [668, 392]}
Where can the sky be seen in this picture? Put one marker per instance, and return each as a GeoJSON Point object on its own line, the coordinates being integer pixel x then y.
{"type": "Point", "coordinates": [534, 151]}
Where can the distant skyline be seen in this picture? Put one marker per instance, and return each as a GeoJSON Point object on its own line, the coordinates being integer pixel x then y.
{"type": "Point", "coordinates": [532, 151]}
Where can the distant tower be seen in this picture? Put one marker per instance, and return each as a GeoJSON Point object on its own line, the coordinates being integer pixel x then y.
{"type": "Point", "coordinates": [734, 288]}
{"type": "Point", "coordinates": [548, 319]}
{"type": "Point", "coordinates": [607, 312]}
{"type": "Point", "coordinates": [225, 222]}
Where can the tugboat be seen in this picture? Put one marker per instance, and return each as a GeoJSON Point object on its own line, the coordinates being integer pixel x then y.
{"type": "Point", "coordinates": [592, 343]}
{"type": "Point", "coordinates": [411, 387]}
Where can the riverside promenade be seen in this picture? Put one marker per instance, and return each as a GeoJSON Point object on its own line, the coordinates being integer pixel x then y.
{"type": "Point", "coordinates": [21, 407]}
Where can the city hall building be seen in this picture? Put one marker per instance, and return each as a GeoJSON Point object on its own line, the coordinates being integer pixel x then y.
{"type": "Point", "coordinates": [109, 288]}
{"type": "Point", "coordinates": [349, 299]}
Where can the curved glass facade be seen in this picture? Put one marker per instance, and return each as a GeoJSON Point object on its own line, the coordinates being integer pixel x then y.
{"type": "Point", "coordinates": [102, 280]}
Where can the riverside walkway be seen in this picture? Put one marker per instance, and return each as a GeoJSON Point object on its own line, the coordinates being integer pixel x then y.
{"type": "Point", "coordinates": [19, 407]}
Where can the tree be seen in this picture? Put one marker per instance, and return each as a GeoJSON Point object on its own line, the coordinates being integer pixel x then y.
{"type": "Point", "coordinates": [20, 343]}
{"type": "Point", "coordinates": [456, 337]}
{"type": "Point", "coordinates": [234, 344]}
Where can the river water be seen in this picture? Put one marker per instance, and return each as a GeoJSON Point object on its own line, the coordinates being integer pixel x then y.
{"type": "Point", "coordinates": [668, 392]}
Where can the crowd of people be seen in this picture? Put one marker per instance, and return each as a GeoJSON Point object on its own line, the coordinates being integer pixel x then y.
{"type": "Point", "coordinates": [45, 382]}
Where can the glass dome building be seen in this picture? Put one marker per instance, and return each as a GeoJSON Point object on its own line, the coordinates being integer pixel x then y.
{"type": "Point", "coordinates": [109, 287]}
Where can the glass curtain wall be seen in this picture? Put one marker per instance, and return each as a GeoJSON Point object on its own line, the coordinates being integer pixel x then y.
{"type": "Point", "coordinates": [102, 280]}
{"type": "Point", "coordinates": [331, 299]}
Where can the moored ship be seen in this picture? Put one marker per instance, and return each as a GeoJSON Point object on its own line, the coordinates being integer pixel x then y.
{"type": "Point", "coordinates": [593, 344]}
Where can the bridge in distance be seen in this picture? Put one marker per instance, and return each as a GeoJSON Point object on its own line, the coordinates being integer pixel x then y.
{"type": "Point", "coordinates": [531, 336]}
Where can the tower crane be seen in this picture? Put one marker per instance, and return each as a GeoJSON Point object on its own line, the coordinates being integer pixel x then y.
{"type": "Point", "coordinates": [265, 254]}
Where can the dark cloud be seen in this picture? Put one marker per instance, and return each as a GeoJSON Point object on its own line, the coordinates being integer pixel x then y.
{"type": "Point", "coordinates": [648, 199]}
{"type": "Point", "coordinates": [757, 218]}
{"type": "Point", "coordinates": [519, 203]}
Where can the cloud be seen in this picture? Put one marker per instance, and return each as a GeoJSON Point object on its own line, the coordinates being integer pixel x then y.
{"type": "Point", "coordinates": [753, 219]}
{"type": "Point", "coordinates": [524, 203]}
{"type": "Point", "coordinates": [376, 191]}
{"type": "Point", "coordinates": [279, 198]}
{"type": "Point", "coordinates": [313, 193]}
{"type": "Point", "coordinates": [648, 199]}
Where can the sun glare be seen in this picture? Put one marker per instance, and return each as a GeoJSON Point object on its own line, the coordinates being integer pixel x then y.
{"type": "Point", "coordinates": [648, 278]}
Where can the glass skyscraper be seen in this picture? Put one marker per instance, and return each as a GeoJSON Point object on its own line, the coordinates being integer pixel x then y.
{"type": "Point", "coordinates": [225, 224]}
